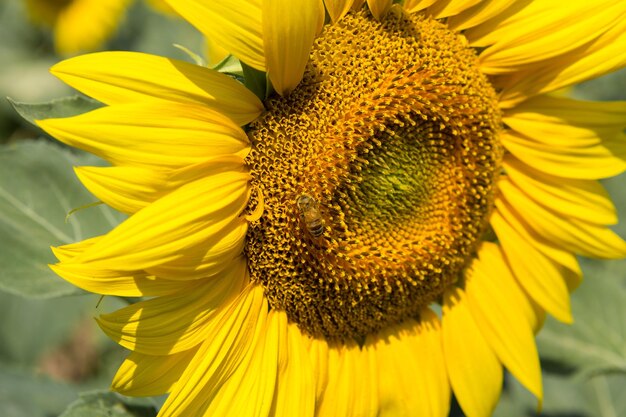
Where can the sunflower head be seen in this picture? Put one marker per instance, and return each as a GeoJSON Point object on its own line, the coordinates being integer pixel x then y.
{"type": "Point", "coordinates": [393, 132]}
{"type": "Point", "coordinates": [390, 225]}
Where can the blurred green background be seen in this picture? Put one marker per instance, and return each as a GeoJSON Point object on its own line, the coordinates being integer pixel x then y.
{"type": "Point", "coordinates": [50, 348]}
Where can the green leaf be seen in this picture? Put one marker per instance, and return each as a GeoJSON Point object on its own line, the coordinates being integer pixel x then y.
{"type": "Point", "coordinates": [596, 342]}
{"type": "Point", "coordinates": [607, 395]}
{"type": "Point", "coordinates": [565, 395]}
{"type": "Point", "coordinates": [38, 189]}
{"type": "Point", "coordinates": [60, 107]}
{"type": "Point", "coordinates": [34, 326]}
{"type": "Point", "coordinates": [110, 404]}
{"type": "Point", "coordinates": [562, 396]}
{"type": "Point", "coordinates": [23, 394]}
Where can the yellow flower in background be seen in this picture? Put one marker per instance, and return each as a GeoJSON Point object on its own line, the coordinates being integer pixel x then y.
{"type": "Point", "coordinates": [82, 25]}
{"type": "Point", "coordinates": [391, 226]}
{"type": "Point", "coordinates": [78, 25]}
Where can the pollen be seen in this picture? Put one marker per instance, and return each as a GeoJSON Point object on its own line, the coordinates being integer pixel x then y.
{"type": "Point", "coordinates": [392, 138]}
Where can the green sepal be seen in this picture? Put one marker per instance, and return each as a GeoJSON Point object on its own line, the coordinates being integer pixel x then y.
{"type": "Point", "coordinates": [57, 108]}
{"type": "Point", "coordinates": [256, 81]}
{"type": "Point", "coordinates": [197, 59]}
{"type": "Point", "coordinates": [230, 65]}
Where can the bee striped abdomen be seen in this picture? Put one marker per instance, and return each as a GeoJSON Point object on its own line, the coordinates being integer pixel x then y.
{"type": "Point", "coordinates": [310, 215]}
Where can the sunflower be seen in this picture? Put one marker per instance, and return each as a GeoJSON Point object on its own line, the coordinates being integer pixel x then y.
{"type": "Point", "coordinates": [387, 224]}
{"type": "Point", "coordinates": [82, 25]}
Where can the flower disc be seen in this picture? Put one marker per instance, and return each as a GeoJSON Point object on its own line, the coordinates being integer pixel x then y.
{"type": "Point", "coordinates": [377, 175]}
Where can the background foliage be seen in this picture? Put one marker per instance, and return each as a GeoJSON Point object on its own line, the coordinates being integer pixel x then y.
{"type": "Point", "coordinates": [53, 359]}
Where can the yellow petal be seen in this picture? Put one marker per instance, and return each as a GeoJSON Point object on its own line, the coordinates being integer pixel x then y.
{"type": "Point", "coordinates": [575, 235]}
{"type": "Point", "coordinates": [130, 77]}
{"type": "Point", "coordinates": [213, 376]}
{"type": "Point", "coordinates": [537, 33]}
{"type": "Point", "coordinates": [357, 4]}
{"type": "Point", "coordinates": [442, 9]}
{"type": "Point", "coordinates": [249, 391]}
{"type": "Point", "coordinates": [350, 391]}
{"type": "Point", "coordinates": [605, 118]}
{"type": "Point", "coordinates": [537, 318]}
{"type": "Point", "coordinates": [85, 25]}
{"type": "Point", "coordinates": [416, 5]}
{"type": "Point", "coordinates": [289, 27]}
{"type": "Point", "coordinates": [541, 277]}
{"type": "Point", "coordinates": [498, 310]}
{"type": "Point", "coordinates": [473, 368]}
{"type": "Point", "coordinates": [435, 392]}
{"type": "Point", "coordinates": [129, 189]}
{"type": "Point", "coordinates": [379, 7]}
{"type": "Point", "coordinates": [318, 351]}
{"type": "Point", "coordinates": [412, 378]}
{"type": "Point", "coordinates": [585, 200]}
{"type": "Point", "coordinates": [215, 53]}
{"type": "Point", "coordinates": [207, 259]}
{"type": "Point", "coordinates": [161, 6]}
{"type": "Point", "coordinates": [583, 157]}
{"type": "Point", "coordinates": [605, 54]}
{"type": "Point", "coordinates": [548, 115]}
{"type": "Point", "coordinates": [480, 13]}
{"type": "Point", "coordinates": [337, 8]}
{"type": "Point", "coordinates": [177, 322]}
{"type": "Point", "coordinates": [554, 120]}
{"type": "Point", "coordinates": [151, 134]}
{"type": "Point", "coordinates": [367, 402]}
{"type": "Point", "coordinates": [321, 17]}
{"type": "Point", "coordinates": [119, 283]}
{"type": "Point", "coordinates": [146, 375]}
{"type": "Point", "coordinates": [602, 116]}
{"type": "Point", "coordinates": [569, 138]}
{"type": "Point", "coordinates": [126, 189]}
{"type": "Point", "coordinates": [295, 386]}
{"type": "Point", "coordinates": [235, 25]}
{"type": "Point", "coordinates": [398, 365]}
{"type": "Point", "coordinates": [67, 252]}
{"type": "Point", "coordinates": [190, 218]}
{"type": "Point", "coordinates": [571, 272]}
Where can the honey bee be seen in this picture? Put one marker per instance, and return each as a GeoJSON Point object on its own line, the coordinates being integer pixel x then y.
{"type": "Point", "coordinates": [310, 214]}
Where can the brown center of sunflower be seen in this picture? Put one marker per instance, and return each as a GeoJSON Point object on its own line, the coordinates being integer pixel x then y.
{"type": "Point", "coordinates": [377, 175]}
